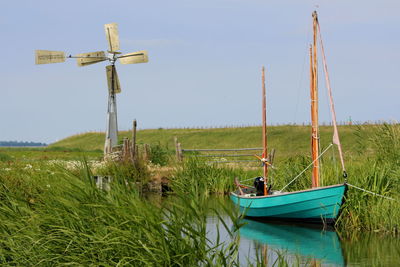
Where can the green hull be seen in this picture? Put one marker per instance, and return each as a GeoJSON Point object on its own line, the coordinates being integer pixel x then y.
{"type": "Point", "coordinates": [322, 203]}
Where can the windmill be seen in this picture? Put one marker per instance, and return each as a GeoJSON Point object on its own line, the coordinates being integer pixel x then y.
{"type": "Point", "coordinates": [85, 59]}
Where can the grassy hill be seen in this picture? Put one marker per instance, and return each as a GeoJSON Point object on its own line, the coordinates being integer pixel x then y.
{"type": "Point", "coordinates": [287, 140]}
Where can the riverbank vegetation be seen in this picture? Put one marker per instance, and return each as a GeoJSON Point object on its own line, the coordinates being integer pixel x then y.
{"type": "Point", "coordinates": [54, 216]}
{"type": "Point", "coordinates": [53, 213]}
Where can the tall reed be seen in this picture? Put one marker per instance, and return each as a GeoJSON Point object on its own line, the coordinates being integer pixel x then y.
{"type": "Point", "coordinates": [62, 218]}
{"type": "Point", "coordinates": [207, 178]}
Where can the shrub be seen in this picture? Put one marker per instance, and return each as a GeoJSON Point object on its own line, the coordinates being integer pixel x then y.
{"type": "Point", "coordinates": [5, 157]}
{"type": "Point", "coordinates": [159, 154]}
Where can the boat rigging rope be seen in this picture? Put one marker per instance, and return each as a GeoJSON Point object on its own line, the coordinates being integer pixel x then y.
{"type": "Point", "coordinates": [370, 192]}
{"type": "Point", "coordinates": [247, 180]}
{"type": "Point", "coordinates": [336, 139]}
{"type": "Point", "coordinates": [312, 163]}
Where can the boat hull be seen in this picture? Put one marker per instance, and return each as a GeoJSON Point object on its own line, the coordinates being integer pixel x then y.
{"type": "Point", "coordinates": [317, 204]}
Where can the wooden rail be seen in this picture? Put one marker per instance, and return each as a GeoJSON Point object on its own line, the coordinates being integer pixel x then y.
{"type": "Point", "coordinates": [223, 149]}
{"type": "Point", "coordinates": [228, 155]}
{"type": "Point", "coordinates": [257, 151]}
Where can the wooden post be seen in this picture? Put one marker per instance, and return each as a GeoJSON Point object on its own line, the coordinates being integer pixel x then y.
{"type": "Point", "coordinates": [176, 146]}
{"type": "Point", "coordinates": [107, 147]}
{"type": "Point", "coordinates": [146, 152]}
{"type": "Point", "coordinates": [134, 133]}
{"type": "Point", "coordinates": [136, 159]}
{"type": "Point", "coordinates": [126, 149]}
{"type": "Point", "coordinates": [133, 143]}
{"type": "Point", "coordinates": [123, 148]}
{"type": "Point", "coordinates": [178, 150]}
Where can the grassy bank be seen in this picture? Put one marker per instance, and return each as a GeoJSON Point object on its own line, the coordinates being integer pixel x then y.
{"type": "Point", "coordinates": [287, 140]}
{"type": "Point", "coordinates": [47, 153]}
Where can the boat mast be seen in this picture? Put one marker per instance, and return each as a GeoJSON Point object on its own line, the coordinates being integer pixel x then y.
{"type": "Point", "coordinates": [314, 105]}
{"type": "Point", "coordinates": [264, 131]}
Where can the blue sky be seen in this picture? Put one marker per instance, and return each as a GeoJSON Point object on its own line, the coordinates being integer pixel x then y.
{"type": "Point", "coordinates": [205, 60]}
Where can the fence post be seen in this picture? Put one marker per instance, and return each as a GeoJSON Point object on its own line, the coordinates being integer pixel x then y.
{"type": "Point", "coordinates": [126, 149]}
{"type": "Point", "coordinates": [146, 152]}
{"type": "Point", "coordinates": [136, 158]}
{"type": "Point", "coordinates": [180, 154]}
{"type": "Point", "coordinates": [178, 150]}
{"type": "Point", "coordinates": [133, 143]}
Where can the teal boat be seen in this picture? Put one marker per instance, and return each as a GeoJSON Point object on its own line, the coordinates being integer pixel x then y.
{"type": "Point", "coordinates": [320, 203]}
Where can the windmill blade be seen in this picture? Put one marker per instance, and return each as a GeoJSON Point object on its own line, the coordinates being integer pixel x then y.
{"type": "Point", "coordinates": [47, 57]}
{"type": "Point", "coordinates": [89, 58]}
{"type": "Point", "coordinates": [112, 80]}
{"type": "Point", "coordinates": [112, 36]}
{"type": "Point", "coordinates": [134, 58]}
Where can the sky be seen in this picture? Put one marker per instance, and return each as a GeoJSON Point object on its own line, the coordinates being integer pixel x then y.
{"type": "Point", "coordinates": [204, 68]}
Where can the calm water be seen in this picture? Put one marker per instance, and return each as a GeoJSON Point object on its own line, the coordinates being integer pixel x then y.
{"type": "Point", "coordinates": [302, 245]}
{"type": "Point", "coordinates": [308, 244]}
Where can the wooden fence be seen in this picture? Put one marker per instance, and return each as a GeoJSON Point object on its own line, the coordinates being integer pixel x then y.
{"type": "Point", "coordinates": [235, 155]}
{"type": "Point", "coordinates": [128, 151]}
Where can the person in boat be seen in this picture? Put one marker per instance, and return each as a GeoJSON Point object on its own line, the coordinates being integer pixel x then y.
{"type": "Point", "coordinates": [259, 185]}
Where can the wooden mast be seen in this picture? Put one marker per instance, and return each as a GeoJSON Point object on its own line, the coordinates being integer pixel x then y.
{"type": "Point", "coordinates": [314, 105]}
{"type": "Point", "coordinates": [264, 131]}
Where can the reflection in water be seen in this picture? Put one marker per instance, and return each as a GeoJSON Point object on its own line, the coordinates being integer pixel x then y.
{"type": "Point", "coordinates": [298, 245]}
{"type": "Point", "coordinates": [372, 249]}
{"type": "Point", "coordinates": [307, 243]}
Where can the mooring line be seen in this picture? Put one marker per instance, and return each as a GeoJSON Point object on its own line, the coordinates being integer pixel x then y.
{"type": "Point", "coordinates": [375, 194]}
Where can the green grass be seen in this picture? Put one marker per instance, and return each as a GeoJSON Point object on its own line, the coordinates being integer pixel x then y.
{"type": "Point", "coordinates": [85, 141]}
{"type": "Point", "coordinates": [287, 140]}
{"type": "Point", "coordinates": [53, 216]}
{"type": "Point", "coordinates": [47, 153]}
{"type": "Point", "coordinates": [206, 179]}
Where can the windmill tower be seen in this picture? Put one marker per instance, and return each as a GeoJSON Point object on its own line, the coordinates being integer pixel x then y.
{"type": "Point", "coordinates": [112, 55]}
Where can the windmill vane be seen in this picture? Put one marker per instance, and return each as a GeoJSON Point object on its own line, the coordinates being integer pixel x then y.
{"type": "Point", "coordinates": [85, 59]}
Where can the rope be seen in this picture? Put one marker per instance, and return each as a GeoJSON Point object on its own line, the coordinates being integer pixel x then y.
{"type": "Point", "coordinates": [307, 167]}
{"type": "Point", "coordinates": [247, 180]}
{"type": "Point", "coordinates": [364, 190]}
{"type": "Point", "coordinates": [336, 139]}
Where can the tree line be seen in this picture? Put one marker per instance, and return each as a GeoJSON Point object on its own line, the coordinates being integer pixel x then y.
{"type": "Point", "coordinates": [21, 143]}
